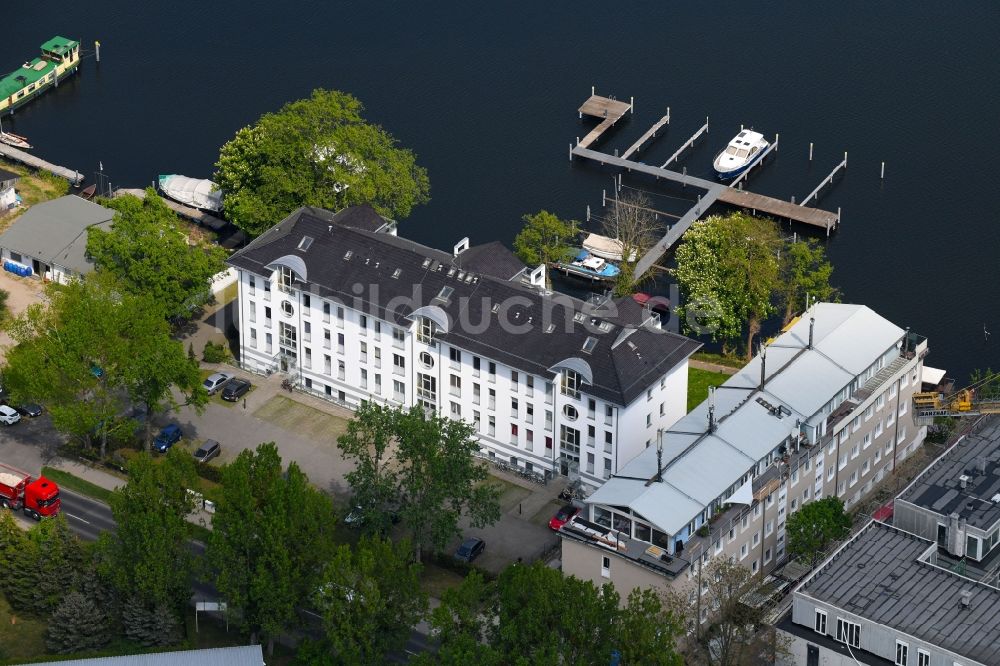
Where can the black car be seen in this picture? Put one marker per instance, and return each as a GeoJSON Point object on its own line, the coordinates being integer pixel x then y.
{"type": "Point", "coordinates": [235, 389]}
{"type": "Point", "coordinates": [29, 409]}
{"type": "Point", "coordinates": [470, 549]}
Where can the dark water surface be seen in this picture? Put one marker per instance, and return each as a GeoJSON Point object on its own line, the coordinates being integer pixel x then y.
{"type": "Point", "coordinates": [486, 95]}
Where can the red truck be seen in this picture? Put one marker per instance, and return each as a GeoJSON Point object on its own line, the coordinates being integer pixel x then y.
{"type": "Point", "coordinates": [38, 498]}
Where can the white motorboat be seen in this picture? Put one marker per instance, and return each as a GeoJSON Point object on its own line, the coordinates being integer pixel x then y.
{"type": "Point", "coordinates": [745, 150]}
{"type": "Point", "coordinates": [197, 193]}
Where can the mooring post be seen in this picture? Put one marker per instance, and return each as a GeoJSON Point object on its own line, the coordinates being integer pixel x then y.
{"type": "Point", "coordinates": [578, 141]}
{"type": "Point", "coordinates": [588, 212]}
{"type": "Point", "coordinates": [604, 198]}
{"type": "Point", "coordinates": [883, 170]}
{"type": "Point", "coordinates": [684, 172]}
{"type": "Point", "coordinates": [616, 152]}
{"type": "Point", "coordinates": [793, 199]}
{"type": "Point", "coordinates": [810, 151]}
{"type": "Point", "coordinates": [845, 159]}
{"type": "Point", "coordinates": [570, 151]}
{"type": "Point", "coordinates": [631, 104]}
{"type": "Point", "coordinates": [776, 137]}
{"type": "Point", "coordinates": [706, 123]}
{"type": "Point", "coordinates": [619, 182]}
{"type": "Point", "coordinates": [97, 51]}
{"type": "Point", "coordinates": [668, 115]}
{"type": "Point", "coordinates": [591, 91]}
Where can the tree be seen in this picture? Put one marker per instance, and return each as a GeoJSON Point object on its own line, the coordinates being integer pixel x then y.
{"type": "Point", "coordinates": [149, 253]}
{"type": "Point", "coordinates": [633, 223]}
{"type": "Point", "coordinates": [374, 479]}
{"type": "Point", "coordinates": [148, 558]}
{"type": "Point", "coordinates": [535, 615]}
{"type": "Point", "coordinates": [805, 271]}
{"type": "Point", "coordinates": [370, 598]}
{"type": "Point", "coordinates": [436, 477]}
{"type": "Point", "coordinates": [815, 525]}
{"type": "Point", "coordinates": [81, 622]}
{"type": "Point", "coordinates": [544, 238]}
{"type": "Point", "coordinates": [91, 345]}
{"type": "Point", "coordinates": [42, 567]}
{"type": "Point", "coordinates": [151, 626]}
{"type": "Point", "coordinates": [271, 536]}
{"type": "Point", "coordinates": [316, 152]}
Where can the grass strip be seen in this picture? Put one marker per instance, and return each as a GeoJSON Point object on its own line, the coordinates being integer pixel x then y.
{"type": "Point", "coordinates": [76, 484]}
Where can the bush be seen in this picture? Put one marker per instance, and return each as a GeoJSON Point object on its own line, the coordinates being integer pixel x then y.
{"type": "Point", "coordinates": [209, 473]}
{"type": "Point", "coordinates": [215, 353]}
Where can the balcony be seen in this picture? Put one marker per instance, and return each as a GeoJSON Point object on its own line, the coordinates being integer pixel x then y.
{"type": "Point", "coordinates": [654, 558]}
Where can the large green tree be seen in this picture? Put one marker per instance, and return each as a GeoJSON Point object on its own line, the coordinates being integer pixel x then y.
{"type": "Point", "coordinates": [805, 272]}
{"type": "Point", "coordinates": [811, 529]}
{"type": "Point", "coordinates": [535, 615]}
{"type": "Point", "coordinates": [271, 537]}
{"type": "Point", "coordinates": [317, 152]}
{"type": "Point", "coordinates": [369, 443]}
{"type": "Point", "coordinates": [148, 558]}
{"type": "Point", "coordinates": [433, 476]}
{"type": "Point", "coordinates": [544, 238]}
{"type": "Point", "coordinates": [40, 567]}
{"type": "Point", "coordinates": [370, 598]}
{"type": "Point", "coordinates": [149, 252]}
{"type": "Point", "coordinates": [91, 348]}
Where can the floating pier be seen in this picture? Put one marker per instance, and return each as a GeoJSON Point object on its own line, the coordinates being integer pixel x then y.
{"type": "Point", "coordinates": [188, 213]}
{"type": "Point", "coordinates": [610, 110]}
{"type": "Point", "coordinates": [15, 155]}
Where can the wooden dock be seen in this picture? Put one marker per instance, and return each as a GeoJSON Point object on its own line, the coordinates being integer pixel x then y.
{"type": "Point", "coordinates": [188, 213]}
{"type": "Point", "coordinates": [611, 110]}
{"type": "Point", "coordinates": [11, 153]}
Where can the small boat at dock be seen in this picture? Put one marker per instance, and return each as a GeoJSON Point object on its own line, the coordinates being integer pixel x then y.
{"type": "Point", "coordinates": [745, 150]}
{"type": "Point", "coordinates": [87, 192]}
{"type": "Point", "coordinates": [13, 139]}
{"type": "Point", "coordinates": [588, 266]}
{"type": "Point", "coordinates": [197, 193]}
{"type": "Point", "coordinates": [604, 247]}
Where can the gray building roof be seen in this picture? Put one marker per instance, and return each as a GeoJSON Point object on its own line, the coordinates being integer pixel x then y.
{"type": "Point", "coordinates": [56, 231]}
{"type": "Point", "coordinates": [939, 489]}
{"type": "Point", "coordinates": [751, 421]}
{"type": "Point", "coordinates": [882, 575]}
{"type": "Point", "coordinates": [492, 259]}
{"type": "Point", "coordinates": [515, 324]}
{"type": "Point", "coordinates": [244, 655]}
{"type": "Point", "coordinates": [8, 175]}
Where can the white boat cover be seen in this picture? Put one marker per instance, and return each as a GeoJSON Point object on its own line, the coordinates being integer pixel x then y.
{"type": "Point", "coordinates": [604, 247]}
{"type": "Point", "coordinates": [199, 193]}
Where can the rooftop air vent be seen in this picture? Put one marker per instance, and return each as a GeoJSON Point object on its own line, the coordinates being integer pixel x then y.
{"type": "Point", "coordinates": [451, 271]}
{"type": "Point", "coordinates": [348, 255]}
{"type": "Point", "coordinates": [965, 599]}
{"type": "Point", "coordinates": [552, 327]}
{"type": "Point", "coordinates": [305, 243]}
{"type": "Point", "coordinates": [461, 276]}
{"type": "Point", "coordinates": [427, 262]}
{"type": "Point", "coordinates": [605, 326]}
{"type": "Point", "coordinates": [963, 481]}
{"type": "Point", "coordinates": [396, 273]}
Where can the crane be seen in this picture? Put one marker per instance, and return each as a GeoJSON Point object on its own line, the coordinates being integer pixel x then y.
{"type": "Point", "coordinates": [963, 402]}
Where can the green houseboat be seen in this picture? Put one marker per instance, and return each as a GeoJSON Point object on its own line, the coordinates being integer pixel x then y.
{"type": "Point", "coordinates": [60, 58]}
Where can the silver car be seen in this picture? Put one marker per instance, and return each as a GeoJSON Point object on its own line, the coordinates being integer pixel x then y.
{"type": "Point", "coordinates": [216, 381]}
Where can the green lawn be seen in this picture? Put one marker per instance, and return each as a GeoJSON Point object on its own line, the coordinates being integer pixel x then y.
{"type": "Point", "coordinates": [302, 419]}
{"type": "Point", "coordinates": [734, 362]}
{"type": "Point", "coordinates": [698, 383]}
{"type": "Point", "coordinates": [20, 637]}
{"type": "Point", "coordinates": [76, 484]}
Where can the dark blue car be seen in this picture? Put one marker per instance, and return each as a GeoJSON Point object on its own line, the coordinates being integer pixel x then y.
{"type": "Point", "coordinates": [170, 435]}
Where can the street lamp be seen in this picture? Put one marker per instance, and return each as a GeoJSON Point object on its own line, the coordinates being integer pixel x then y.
{"type": "Point", "coordinates": [659, 455]}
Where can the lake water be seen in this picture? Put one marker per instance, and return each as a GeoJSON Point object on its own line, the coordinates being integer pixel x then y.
{"type": "Point", "coordinates": [486, 95]}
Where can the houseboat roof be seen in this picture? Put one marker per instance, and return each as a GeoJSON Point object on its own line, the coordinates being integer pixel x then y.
{"type": "Point", "coordinates": [24, 76]}
{"type": "Point", "coordinates": [60, 45]}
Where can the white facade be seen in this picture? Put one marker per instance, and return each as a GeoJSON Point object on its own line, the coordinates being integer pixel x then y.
{"type": "Point", "coordinates": [345, 355]}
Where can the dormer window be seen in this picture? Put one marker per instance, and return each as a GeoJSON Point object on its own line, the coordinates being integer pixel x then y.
{"type": "Point", "coordinates": [425, 331]}
{"type": "Point", "coordinates": [570, 383]}
{"type": "Point", "coordinates": [285, 278]}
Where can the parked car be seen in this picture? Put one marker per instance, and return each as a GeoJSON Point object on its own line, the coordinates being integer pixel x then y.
{"type": "Point", "coordinates": [31, 409]}
{"type": "Point", "coordinates": [563, 516]}
{"type": "Point", "coordinates": [167, 437]}
{"type": "Point", "coordinates": [215, 381]}
{"type": "Point", "coordinates": [356, 516]}
{"type": "Point", "coordinates": [210, 449]}
{"type": "Point", "coordinates": [235, 389]}
{"type": "Point", "coordinates": [470, 549]}
{"type": "Point", "coordinates": [9, 415]}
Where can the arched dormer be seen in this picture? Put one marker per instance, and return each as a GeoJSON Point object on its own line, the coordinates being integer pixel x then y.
{"type": "Point", "coordinates": [431, 320]}
{"type": "Point", "coordinates": [291, 262]}
{"type": "Point", "coordinates": [573, 372]}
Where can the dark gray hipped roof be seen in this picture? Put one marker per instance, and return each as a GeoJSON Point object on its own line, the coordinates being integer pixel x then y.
{"type": "Point", "coordinates": [390, 277]}
{"type": "Point", "coordinates": [878, 575]}
{"type": "Point", "coordinates": [939, 489]}
{"type": "Point", "coordinates": [56, 231]}
{"type": "Point", "coordinates": [244, 655]}
{"type": "Point", "coordinates": [492, 259]}
{"type": "Point", "coordinates": [8, 175]}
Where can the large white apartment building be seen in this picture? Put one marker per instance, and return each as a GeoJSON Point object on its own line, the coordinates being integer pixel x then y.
{"type": "Point", "coordinates": [552, 384]}
{"type": "Point", "coordinates": [824, 410]}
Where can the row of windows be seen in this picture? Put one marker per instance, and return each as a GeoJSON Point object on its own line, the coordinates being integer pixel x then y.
{"type": "Point", "coordinates": [850, 633]}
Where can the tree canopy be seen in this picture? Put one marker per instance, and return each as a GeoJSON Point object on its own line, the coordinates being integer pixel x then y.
{"type": "Point", "coordinates": [271, 537]}
{"type": "Point", "coordinates": [632, 222]}
{"type": "Point", "coordinates": [316, 152]}
{"type": "Point", "coordinates": [544, 238]}
{"type": "Point", "coordinates": [91, 346]}
{"type": "Point", "coordinates": [429, 474]}
{"type": "Point", "coordinates": [737, 271]}
{"type": "Point", "coordinates": [535, 615]}
{"type": "Point", "coordinates": [811, 529]}
{"type": "Point", "coordinates": [149, 253]}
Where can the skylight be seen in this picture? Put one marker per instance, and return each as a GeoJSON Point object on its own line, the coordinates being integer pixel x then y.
{"type": "Point", "coordinates": [589, 344]}
{"type": "Point", "coordinates": [445, 294]}
{"type": "Point", "coordinates": [396, 273]}
{"type": "Point", "coordinates": [305, 243]}
{"type": "Point", "coordinates": [348, 255]}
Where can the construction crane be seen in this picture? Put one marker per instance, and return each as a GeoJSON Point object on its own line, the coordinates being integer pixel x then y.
{"type": "Point", "coordinates": [963, 402]}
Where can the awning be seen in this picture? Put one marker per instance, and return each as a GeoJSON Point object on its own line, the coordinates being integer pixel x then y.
{"type": "Point", "coordinates": [931, 376]}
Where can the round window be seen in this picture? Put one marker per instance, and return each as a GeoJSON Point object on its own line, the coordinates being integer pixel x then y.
{"type": "Point", "coordinates": [569, 411]}
{"type": "Point", "coordinates": [286, 307]}
{"type": "Point", "coordinates": [426, 360]}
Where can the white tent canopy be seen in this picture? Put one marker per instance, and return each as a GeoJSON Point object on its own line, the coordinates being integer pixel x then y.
{"type": "Point", "coordinates": [199, 193]}
{"type": "Point", "coordinates": [604, 247]}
